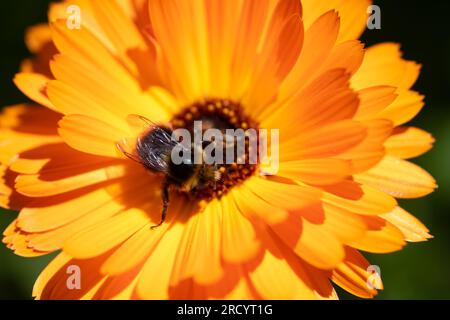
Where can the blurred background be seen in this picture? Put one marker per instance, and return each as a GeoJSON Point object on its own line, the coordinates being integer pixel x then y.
{"type": "Point", "coordinates": [417, 272]}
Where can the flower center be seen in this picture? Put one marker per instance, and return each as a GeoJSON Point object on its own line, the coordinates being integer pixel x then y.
{"type": "Point", "coordinates": [239, 147]}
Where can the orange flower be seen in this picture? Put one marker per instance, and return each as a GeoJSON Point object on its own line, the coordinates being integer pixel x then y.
{"type": "Point", "coordinates": [273, 64]}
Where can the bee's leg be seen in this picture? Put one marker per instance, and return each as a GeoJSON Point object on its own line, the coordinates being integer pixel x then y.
{"type": "Point", "coordinates": [166, 200]}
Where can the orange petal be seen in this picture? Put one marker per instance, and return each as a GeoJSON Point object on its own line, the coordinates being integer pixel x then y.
{"type": "Point", "coordinates": [122, 198]}
{"type": "Point", "coordinates": [127, 41]}
{"type": "Point", "coordinates": [48, 273]}
{"type": "Point", "coordinates": [352, 275]}
{"type": "Point", "coordinates": [382, 237]}
{"type": "Point", "coordinates": [112, 100]}
{"type": "Point", "coordinates": [324, 142]}
{"type": "Point", "coordinates": [399, 178]}
{"type": "Point", "coordinates": [52, 284]}
{"type": "Point", "coordinates": [344, 225]}
{"type": "Point", "coordinates": [327, 100]}
{"type": "Point", "coordinates": [252, 205]}
{"type": "Point", "coordinates": [320, 39]}
{"type": "Point", "coordinates": [104, 236]}
{"type": "Point", "coordinates": [277, 57]}
{"type": "Point", "coordinates": [412, 229]}
{"type": "Point", "coordinates": [98, 58]}
{"type": "Point", "coordinates": [136, 249]}
{"type": "Point", "coordinates": [17, 241]}
{"type": "Point", "coordinates": [347, 55]}
{"type": "Point", "coordinates": [198, 255]}
{"type": "Point", "coordinates": [154, 280]}
{"type": "Point", "coordinates": [283, 195]}
{"type": "Point", "coordinates": [274, 277]}
{"type": "Point", "coordinates": [37, 37]}
{"type": "Point", "coordinates": [223, 22]}
{"type": "Point", "coordinates": [409, 142]}
{"type": "Point", "coordinates": [311, 242]}
{"type": "Point", "coordinates": [250, 28]}
{"type": "Point", "coordinates": [89, 135]}
{"type": "Point", "coordinates": [316, 171]}
{"type": "Point", "coordinates": [239, 240]}
{"type": "Point", "coordinates": [34, 85]}
{"type": "Point", "coordinates": [186, 54]}
{"type": "Point", "coordinates": [44, 214]}
{"type": "Point", "coordinates": [359, 199]}
{"type": "Point", "coordinates": [374, 100]}
{"type": "Point", "coordinates": [353, 15]}
{"type": "Point", "coordinates": [371, 150]}
{"type": "Point", "coordinates": [383, 65]}
{"type": "Point", "coordinates": [407, 105]}
{"type": "Point", "coordinates": [34, 186]}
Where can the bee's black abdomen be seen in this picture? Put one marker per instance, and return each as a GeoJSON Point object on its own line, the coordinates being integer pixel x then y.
{"type": "Point", "coordinates": [182, 173]}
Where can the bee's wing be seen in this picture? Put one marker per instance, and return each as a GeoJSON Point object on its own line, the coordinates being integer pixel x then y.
{"type": "Point", "coordinates": [156, 149]}
{"type": "Point", "coordinates": [157, 163]}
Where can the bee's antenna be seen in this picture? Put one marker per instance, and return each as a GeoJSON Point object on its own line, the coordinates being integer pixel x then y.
{"type": "Point", "coordinates": [166, 200]}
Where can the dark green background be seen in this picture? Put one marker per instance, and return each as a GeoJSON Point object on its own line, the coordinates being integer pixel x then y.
{"type": "Point", "coordinates": [422, 27]}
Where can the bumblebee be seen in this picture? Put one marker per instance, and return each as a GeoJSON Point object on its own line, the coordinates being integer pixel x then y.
{"type": "Point", "coordinates": [155, 146]}
{"type": "Point", "coordinates": [154, 151]}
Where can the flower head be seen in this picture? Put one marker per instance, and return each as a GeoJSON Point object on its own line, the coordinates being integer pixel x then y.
{"type": "Point", "coordinates": [88, 165]}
